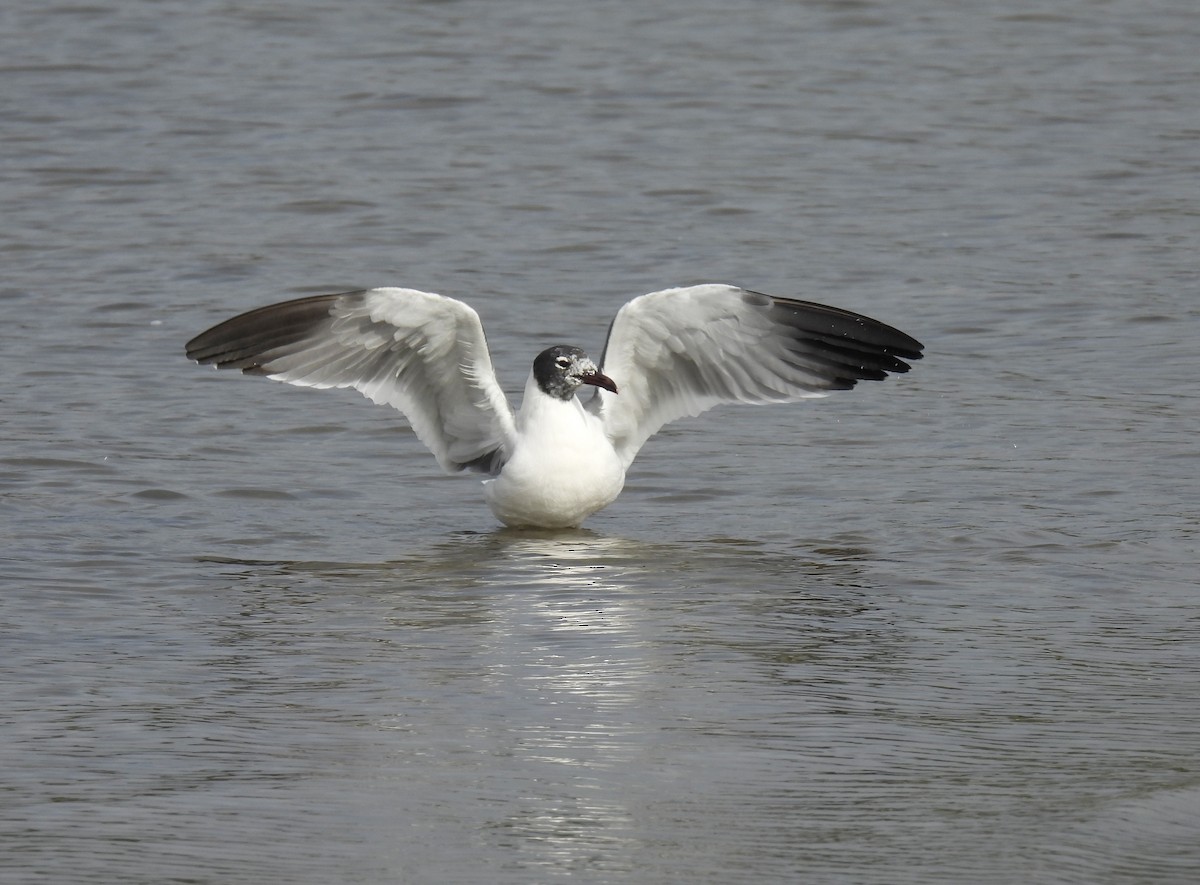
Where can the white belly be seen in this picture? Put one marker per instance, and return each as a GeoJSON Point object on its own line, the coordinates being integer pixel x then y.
{"type": "Point", "coordinates": [559, 475]}
{"type": "Point", "coordinates": [556, 492]}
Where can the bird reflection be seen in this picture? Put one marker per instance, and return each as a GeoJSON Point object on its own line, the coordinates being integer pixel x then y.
{"type": "Point", "coordinates": [549, 688]}
{"type": "Point", "coordinates": [568, 625]}
{"type": "Point", "coordinates": [573, 650]}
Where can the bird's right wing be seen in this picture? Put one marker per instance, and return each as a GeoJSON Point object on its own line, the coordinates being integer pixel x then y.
{"type": "Point", "coordinates": [680, 352]}
{"type": "Point", "coordinates": [421, 353]}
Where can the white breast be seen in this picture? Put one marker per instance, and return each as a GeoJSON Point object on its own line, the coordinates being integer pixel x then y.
{"type": "Point", "coordinates": [562, 470]}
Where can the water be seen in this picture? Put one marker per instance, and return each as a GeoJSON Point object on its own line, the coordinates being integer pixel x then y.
{"type": "Point", "coordinates": [939, 629]}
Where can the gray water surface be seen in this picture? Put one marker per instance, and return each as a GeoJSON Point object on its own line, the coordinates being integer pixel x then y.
{"type": "Point", "coordinates": [942, 628]}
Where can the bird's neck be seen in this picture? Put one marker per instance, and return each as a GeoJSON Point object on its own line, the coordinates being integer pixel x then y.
{"type": "Point", "coordinates": [540, 409]}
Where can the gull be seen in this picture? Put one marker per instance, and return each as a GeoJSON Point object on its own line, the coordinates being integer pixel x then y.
{"type": "Point", "coordinates": [557, 460]}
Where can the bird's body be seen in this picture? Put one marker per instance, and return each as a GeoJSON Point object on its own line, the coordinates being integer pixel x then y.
{"type": "Point", "coordinates": [558, 460]}
{"type": "Point", "coordinates": [563, 471]}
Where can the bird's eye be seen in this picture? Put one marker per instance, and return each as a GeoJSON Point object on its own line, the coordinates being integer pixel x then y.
{"type": "Point", "coordinates": [562, 362]}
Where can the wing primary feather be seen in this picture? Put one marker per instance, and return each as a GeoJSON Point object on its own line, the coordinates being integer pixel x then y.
{"type": "Point", "coordinates": [835, 323]}
{"type": "Point", "coordinates": [249, 335]}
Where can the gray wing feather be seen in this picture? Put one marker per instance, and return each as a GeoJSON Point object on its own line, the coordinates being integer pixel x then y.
{"type": "Point", "coordinates": [421, 353]}
{"type": "Point", "coordinates": [679, 352]}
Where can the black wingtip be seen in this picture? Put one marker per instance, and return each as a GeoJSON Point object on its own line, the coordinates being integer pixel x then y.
{"type": "Point", "coordinates": [245, 341]}
{"type": "Point", "coordinates": [846, 347]}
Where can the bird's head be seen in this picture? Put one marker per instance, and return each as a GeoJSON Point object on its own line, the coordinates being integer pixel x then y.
{"type": "Point", "coordinates": [560, 370]}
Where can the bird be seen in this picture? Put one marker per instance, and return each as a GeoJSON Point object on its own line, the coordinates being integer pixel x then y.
{"type": "Point", "coordinates": [558, 459]}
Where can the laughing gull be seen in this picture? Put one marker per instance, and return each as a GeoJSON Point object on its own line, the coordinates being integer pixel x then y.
{"type": "Point", "coordinates": [557, 460]}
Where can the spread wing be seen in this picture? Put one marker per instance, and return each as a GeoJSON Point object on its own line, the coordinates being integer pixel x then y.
{"type": "Point", "coordinates": [421, 353]}
{"type": "Point", "coordinates": [680, 352]}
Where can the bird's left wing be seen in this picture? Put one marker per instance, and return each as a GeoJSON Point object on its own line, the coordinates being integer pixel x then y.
{"type": "Point", "coordinates": [421, 353]}
{"type": "Point", "coordinates": [680, 352]}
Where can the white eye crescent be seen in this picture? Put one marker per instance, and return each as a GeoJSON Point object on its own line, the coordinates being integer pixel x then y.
{"type": "Point", "coordinates": [562, 362]}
